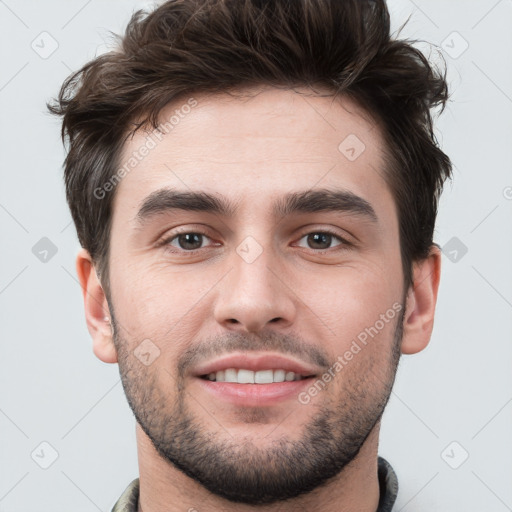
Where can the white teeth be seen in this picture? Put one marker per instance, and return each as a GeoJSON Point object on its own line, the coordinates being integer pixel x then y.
{"type": "Point", "coordinates": [243, 376]}
{"type": "Point", "coordinates": [279, 375]}
{"type": "Point", "coordinates": [264, 377]}
{"type": "Point", "coordinates": [230, 375]}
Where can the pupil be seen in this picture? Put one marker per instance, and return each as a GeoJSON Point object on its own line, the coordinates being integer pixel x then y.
{"type": "Point", "coordinates": [321, 238]}
{"type": "Point", "coordinates": [188, 239]}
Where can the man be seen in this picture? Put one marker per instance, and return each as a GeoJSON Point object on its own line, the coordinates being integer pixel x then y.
{"type": "Point", "coordinates": [255, 186]}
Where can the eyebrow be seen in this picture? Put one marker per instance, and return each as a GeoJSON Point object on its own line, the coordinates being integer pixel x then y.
{"type": "Point", "coordinates": [308, 201]}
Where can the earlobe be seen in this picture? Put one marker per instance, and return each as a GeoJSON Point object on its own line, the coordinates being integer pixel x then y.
{"type": "Point", "coordinates": [421, 303]}
{"type": "Point", "coordinates": [97, 313]}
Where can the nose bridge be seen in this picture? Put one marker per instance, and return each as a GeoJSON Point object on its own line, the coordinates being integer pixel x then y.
{"type": "Point", "coordinates": [252, 296]}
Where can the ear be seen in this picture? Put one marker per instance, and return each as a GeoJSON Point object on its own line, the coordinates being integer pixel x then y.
{"type": "Point", "coordinates": [421, 302]}
{"type": "Point", "coordinates": [97, 314]}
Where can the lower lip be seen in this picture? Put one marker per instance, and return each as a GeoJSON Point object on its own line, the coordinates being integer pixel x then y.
{"type": "Point", "coordinates": [255, 394]}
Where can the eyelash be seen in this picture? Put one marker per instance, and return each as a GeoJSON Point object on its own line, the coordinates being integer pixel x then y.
{"type": "Point", "coordinates": [342, 246]}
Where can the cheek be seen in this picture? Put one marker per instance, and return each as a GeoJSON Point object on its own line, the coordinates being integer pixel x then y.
{"type": "Point", "coordinates": [354, 304]}
{"type": "Point", "coordinates": [362, 290]}
{"type": "Point", "coordinates": [158, 304]}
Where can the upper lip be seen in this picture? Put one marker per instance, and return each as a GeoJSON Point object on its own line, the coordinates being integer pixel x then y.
{"type": "Point", "coordinates": [256, 362]}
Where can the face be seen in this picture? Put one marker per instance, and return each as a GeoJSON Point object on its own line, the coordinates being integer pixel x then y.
{"type": "Point", "coordinates": [256, 289]}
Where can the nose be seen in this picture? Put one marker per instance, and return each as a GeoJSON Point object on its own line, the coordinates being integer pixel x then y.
{"type": "Point", "coordinates": [255, 295]}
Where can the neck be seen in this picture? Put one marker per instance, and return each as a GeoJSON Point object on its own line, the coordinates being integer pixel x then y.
{"type": "Point", "coordinates": [163, 487]}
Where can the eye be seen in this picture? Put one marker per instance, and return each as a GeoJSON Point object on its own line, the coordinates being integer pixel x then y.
{"type": "Point", "coordinates": [187, 241]}
{"type": "Point", "coordinates": [192, 241]}
{"type": "Point", "coordinates": [322, 240]}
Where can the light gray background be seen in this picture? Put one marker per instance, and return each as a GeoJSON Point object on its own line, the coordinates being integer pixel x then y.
{"type": "Point", "coordinates": [54, 390]}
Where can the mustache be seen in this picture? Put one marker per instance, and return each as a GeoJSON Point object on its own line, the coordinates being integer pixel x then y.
{"type": "Point", "coordinates": [288, 344]}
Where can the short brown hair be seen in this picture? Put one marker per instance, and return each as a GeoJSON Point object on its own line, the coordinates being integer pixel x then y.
{"type": "Point", "coordinates": [195, 46]}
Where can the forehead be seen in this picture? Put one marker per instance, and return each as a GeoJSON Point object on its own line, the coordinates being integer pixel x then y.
{"type": "Point", "coordinates": [255, 145]}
